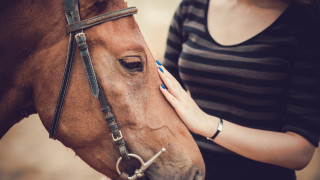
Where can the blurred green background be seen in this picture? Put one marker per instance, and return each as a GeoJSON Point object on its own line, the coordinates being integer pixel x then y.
{"type": "Point", "coordinates": [26, 152]}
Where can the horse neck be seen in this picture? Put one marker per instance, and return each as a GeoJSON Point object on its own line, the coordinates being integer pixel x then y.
{"type": "Point", "coordinates": [26, 29]}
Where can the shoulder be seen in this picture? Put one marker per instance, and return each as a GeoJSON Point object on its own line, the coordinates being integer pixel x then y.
{"type": "Point", "coordinates": [304, 25]}
{"type": "Point", "coordinates": [303, 17]}
{"type": "Point", "coordinates": [187, 6]}
{"type": "Point", "coordinates": [195, 2]}
{"type": "Point", "coordinates": [191, 10]}
{"type": "Point", "coordinates": [310, 32]}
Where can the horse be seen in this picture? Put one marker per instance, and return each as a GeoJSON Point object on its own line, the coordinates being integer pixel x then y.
{"type": "Point", "coordinates": [34, 44]}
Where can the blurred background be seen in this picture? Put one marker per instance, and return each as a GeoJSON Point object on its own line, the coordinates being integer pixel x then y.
{"type": "Point", "coordinates": [27, 153]}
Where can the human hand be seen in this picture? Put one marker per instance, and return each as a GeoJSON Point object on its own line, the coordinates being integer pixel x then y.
{"type": "Point", "coordinates": [194, 118]}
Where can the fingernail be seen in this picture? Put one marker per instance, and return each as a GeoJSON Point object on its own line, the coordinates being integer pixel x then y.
{"type": "Point", "coordinates": [163, 86]}
{"type": "Point", "coordinates": [160, 69]}
{"type": "Point", "coordinates": [159, 64]}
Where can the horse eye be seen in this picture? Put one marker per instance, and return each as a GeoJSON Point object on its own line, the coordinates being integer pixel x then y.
{"type": "Point", "coordinates": [132, 63]}
{"type": "Point", "coordinates": [99, 6]}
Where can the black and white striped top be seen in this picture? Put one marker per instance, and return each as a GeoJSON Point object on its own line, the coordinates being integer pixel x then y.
{"type": "Point", "coordinates": [270, 82]}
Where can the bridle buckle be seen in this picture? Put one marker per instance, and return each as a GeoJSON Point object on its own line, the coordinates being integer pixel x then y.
{"type": "Point", "coordinates": [118, 138]}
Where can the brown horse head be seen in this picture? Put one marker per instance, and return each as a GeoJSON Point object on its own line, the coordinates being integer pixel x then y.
{"type": "Point", "coordinates": [34, 45]}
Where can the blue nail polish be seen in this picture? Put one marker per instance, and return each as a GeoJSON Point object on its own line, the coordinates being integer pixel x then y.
{"type": "Point", "coordinates": [163, 86]}
{"type": "Point", "coordinates": [159, 64]}
{"type": "Point", "coordinates": [161, 69]}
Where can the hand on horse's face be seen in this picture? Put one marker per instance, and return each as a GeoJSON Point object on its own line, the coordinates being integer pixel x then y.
{"type": "Point", "coordinates": [194, 118]}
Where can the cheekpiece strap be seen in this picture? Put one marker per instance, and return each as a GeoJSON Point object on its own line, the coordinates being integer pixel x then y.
{"type": "Point", "coordinates": [75, 28]}
{"type": "Point", "coordinates": [86, 59]}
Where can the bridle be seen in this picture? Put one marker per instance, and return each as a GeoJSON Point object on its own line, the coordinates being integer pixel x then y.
{"type": "Point", "coordinates": [75, 28]}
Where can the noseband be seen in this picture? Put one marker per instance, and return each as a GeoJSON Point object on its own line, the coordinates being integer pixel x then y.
{"type": "Point", "coordinates": [75, 28]}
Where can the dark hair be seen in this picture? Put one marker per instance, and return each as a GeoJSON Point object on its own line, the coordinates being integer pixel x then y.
{"type": "Point", "coordinates": [308, 2]}
{"type": "Point", "coordinates": [313, 6]}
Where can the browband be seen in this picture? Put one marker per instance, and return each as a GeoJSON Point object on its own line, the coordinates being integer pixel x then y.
{"type": "Point", "coordinates": [101, 19]}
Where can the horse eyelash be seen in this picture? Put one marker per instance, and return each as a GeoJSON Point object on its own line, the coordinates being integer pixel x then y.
{"type": "Point", "coordinates": [99, 6]}
{"type": "Point", "coordinates": [133, 59]}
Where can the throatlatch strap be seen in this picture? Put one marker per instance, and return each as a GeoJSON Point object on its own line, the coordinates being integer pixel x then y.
{"type": "Point", "coordinates": [63, 89]}
{"type": "Point", "coordinates": [77, 26]}
{"type": "Point", "coordinates": [72, 15]}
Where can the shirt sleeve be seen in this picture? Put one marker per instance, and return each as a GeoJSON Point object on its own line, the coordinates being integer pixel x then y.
{"type": "Point", "coordinates": [303, 103]}
{"type": "Point", "coordinates": [175, 40]}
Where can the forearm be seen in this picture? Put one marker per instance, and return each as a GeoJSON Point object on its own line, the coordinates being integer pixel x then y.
{"type": "Point", "coordinates": [288, 149]}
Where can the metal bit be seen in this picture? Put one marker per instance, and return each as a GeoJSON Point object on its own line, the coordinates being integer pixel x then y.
{"type": "Point", "coordinates": [144, 166]}
{"type": "Point", "coordinates": [148, 163]}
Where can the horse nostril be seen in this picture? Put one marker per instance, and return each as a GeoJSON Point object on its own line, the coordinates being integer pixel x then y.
{"type": "Point", "coordinates": [198, 177]}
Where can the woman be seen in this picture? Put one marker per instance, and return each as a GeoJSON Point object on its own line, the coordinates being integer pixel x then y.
{"type": "Point", "coordinates": [252, 68]}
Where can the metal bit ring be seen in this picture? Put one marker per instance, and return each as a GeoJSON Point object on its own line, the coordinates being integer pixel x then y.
{"type": "Point", "coordinates": [144, 165]}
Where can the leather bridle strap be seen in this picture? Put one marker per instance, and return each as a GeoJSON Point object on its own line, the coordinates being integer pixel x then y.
{"type": "Point", "coordinates": [75, 28]}
{"type": "Point", "coordinates": [63, 88]}
{"type": "Point", "coordinates": [101, 19]}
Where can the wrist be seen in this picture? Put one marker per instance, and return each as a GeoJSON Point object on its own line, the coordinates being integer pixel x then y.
{"type": "Point", "coordinates": [209, 126]}
{"type": "Point", "coordinates": [219, 129]}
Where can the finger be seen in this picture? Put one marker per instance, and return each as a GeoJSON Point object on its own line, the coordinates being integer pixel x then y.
{"type": "Point", "coordinates": [172, 100]}
{"type": "Point", "coordinates": [170, 76]}
{"type": "Point", "coordinates": [173, 88]}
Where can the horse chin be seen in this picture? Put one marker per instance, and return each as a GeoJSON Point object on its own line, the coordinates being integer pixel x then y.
{"type": "Point", "coordinates": [145, 178]}
{"type": "Point", "coordinates": [193, 174]}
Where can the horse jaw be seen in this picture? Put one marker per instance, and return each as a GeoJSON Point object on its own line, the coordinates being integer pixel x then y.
{"type": "Point", "coordinates": [22, 35]}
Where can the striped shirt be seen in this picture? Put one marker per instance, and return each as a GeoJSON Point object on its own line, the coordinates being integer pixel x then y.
{"type": "Point", "coordinates": [269, 82]}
